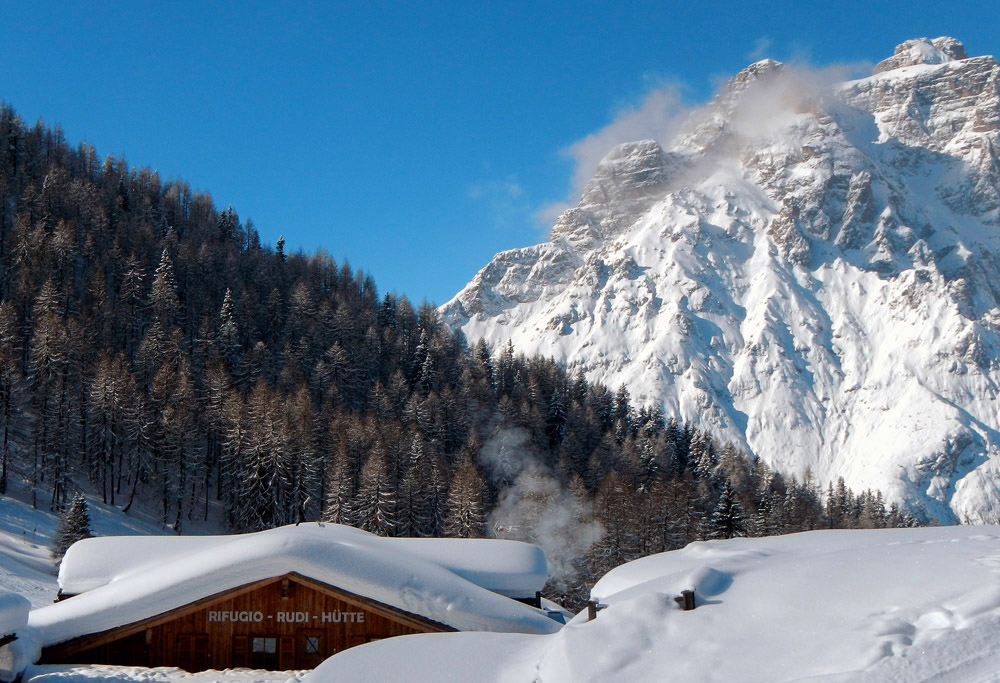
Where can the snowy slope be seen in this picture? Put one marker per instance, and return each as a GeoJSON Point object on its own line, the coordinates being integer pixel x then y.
{"type": "Point", "coordinates": [26, 534]}
{"type": "Point", "coordinates": [809, 270]}
{"type": "Point", "coordinates": [833, 606]}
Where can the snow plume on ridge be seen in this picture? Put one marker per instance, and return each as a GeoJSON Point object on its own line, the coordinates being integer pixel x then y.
{"type": "Point", "coordinates": [779, 92]}
{"type": "Point", "coordinates": [656, 118]}
{"type": "Point", "coordinates": [534, 506]}
{"type": "Point", "coordinates": [762, 110]}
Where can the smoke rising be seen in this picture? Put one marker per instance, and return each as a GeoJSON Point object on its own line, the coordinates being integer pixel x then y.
{"type": "Point", "coordinates": [534, 506]}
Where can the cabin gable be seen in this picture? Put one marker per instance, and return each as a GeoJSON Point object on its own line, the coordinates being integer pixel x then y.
{"type": "Point", "coordinates": [287, 622]}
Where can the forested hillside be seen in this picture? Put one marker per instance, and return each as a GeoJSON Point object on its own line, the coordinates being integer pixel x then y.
{"type": "Point", "coordinates": [155, 353]}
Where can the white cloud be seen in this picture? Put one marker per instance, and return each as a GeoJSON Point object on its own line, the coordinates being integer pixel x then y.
{"type": "Point", "coordinates": [503, 198]}
{"type": "Point", "coordinates": [548, 214]}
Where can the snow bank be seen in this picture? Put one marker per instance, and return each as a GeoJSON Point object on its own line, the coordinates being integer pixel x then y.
{"type": "Point", "coordinates": [13, 616]}
{"type": "Point", "coordinates": [881, 605]}
{"type": "Point", "coordinates": [340, 556]}
{"type": "Point", "coordinates": [95, 562]}
{"type": "Point", "coordinates": [13, 612]}
{"type": "Point", "coordinates": [61, 673]}
{"type": "Point", "coordinates": [26, 534]}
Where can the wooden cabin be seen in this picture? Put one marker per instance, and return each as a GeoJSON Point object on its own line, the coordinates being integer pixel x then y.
{"type": "Point", "coordinates": [281, 599]}
{"type": "Point", "coordinates": [288, 622]}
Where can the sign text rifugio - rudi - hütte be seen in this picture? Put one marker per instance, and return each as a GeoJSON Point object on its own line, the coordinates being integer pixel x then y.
{"type": "Point", "coordinates": [258, 617]}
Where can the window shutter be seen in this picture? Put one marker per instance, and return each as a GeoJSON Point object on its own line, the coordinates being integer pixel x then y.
{"type": "Point", "coordinates": [286, 653]}
{"type": "Point", "coordinates": [241, 654]}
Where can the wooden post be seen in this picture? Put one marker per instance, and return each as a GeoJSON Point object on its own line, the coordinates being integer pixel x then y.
{"type": "Point", "coordinates": [591, 610]}
{"type": "Point", "coordinates": [685, 600]}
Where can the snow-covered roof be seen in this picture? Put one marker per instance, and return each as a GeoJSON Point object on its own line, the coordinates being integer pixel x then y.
{"type": "Point", "coordinates": [429, 578]}
{"type": "Point", "coordinates": [510, 568]}
{"type": "Point", "coordinates": [13, 613]}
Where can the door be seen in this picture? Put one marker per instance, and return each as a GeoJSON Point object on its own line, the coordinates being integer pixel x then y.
{"type": "Point", "coordinates": [286, 652]}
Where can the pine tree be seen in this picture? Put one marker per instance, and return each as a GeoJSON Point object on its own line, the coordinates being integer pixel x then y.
{"type": "Point", "coordinates": [727, 520]}
{"type": "Point", "coordinates": [114, 420]}
{"type": "Point", "coordinates": [74, 525]}
{"type": "Point", "coordinates": [131, 306]}
{"type": "Point", "coordinates": [340, 494]}
{"type": "Point", "coordinates": [418, 498]}
{"type": "Point", "coordinates": [10, 387]}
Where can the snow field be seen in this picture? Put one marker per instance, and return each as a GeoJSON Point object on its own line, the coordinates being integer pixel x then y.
{"type": "Point", "coordinates": [833, 606]}
{"type": "Point", "coordinates": [132, 674]}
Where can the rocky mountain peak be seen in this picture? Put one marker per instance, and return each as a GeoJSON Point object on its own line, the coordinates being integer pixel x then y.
{"type": "Point", "coordinates": [754, 72]}
{"type": "Point", "coordinates": [626, 182]}
{"type": "Point", "coordinates": [923, 51]}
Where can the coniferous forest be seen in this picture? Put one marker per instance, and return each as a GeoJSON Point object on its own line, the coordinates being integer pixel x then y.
{"type": "Point", "coordinates": [155, 353]}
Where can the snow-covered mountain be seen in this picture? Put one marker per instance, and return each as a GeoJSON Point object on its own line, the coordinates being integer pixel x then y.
{"type": "Point", "coordinates": [808, 269]}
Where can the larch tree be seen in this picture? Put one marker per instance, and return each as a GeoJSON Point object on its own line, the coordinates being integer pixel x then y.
{"type": "Point", "coordinates": [377, 504]}
{"type": "Point", "coordinates": [466, 516]}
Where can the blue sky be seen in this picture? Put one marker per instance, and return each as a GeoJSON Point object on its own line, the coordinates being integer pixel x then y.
{"type": "Point", "coordinates": [413, 139]}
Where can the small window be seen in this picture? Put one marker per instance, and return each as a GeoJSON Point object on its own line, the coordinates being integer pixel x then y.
{"type": "Point", "coordinates": [312, 645]}
{"type": "Point", "coordinates": [265, 646]}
